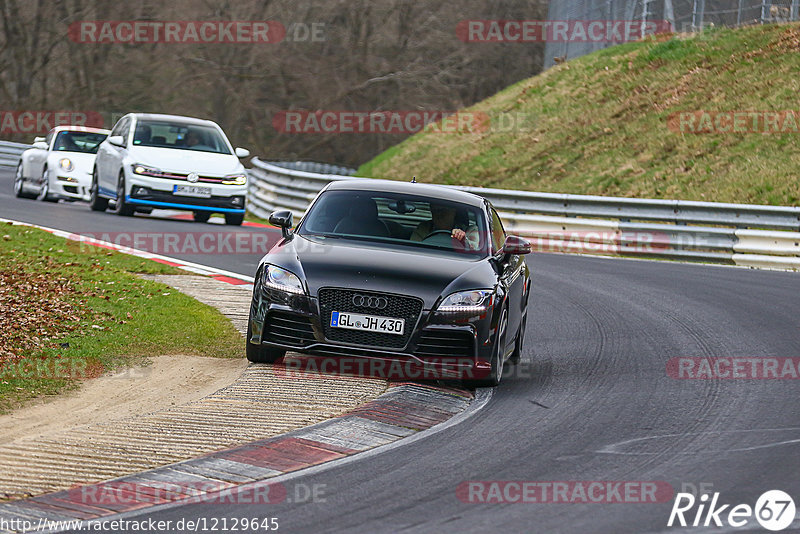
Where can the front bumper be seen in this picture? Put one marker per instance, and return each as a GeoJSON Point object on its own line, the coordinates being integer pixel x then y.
{"type": "Point", "coordinates": [149, 196]}
{"type": "Point", "coordinates": [157, 192]}
{"type": "Point", "coordinates": [70, 188]}
{"type": "Point", "coordinates": [437, 348]}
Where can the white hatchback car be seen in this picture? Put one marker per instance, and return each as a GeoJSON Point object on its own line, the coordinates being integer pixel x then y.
{"type": "Point", "coordinates": [59, 166]}
{"type": "Point", "coordinates": [170, 162]}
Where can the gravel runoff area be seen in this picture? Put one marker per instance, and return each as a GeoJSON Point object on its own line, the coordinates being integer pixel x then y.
{"type": "Point", "coordinates": [177, 408]}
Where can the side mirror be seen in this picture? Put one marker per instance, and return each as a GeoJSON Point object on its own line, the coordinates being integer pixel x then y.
{"type": "Point", "coordinates": [40, 145]}
{"type": "Point", "coordinates": [516, 245]}
{"type": "Point", "coordinates": [241, 152]}
{"type": "Point", "coordinates": [39, 139]}
{"type": "Point", "coordinates": [283, 220]}
{"type": "Point", "coordinates": [117, 140]}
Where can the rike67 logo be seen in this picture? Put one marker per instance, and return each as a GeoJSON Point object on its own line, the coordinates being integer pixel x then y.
{"type": "Point", "coordinates": [774, 510]}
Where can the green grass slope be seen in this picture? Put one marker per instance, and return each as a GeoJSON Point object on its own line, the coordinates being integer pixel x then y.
{"type": "Point", "coordinates": [599, 124]}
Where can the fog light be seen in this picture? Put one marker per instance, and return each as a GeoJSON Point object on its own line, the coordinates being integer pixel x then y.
{"type": "Point", "coordinates": [237, 201]}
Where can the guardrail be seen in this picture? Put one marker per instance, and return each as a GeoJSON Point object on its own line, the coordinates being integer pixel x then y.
{"type": "Point", "coordinates": [10, 153]}
{"type": "Point", "coordinates": [310, 166]}
{"type": "Point", "coordinates": [740, 234]}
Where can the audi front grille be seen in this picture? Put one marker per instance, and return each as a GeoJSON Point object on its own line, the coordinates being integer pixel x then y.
{"type": "Point", "coordinates": [396, 307]}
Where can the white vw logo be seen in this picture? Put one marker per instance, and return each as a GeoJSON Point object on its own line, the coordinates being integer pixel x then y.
{"type": "Point", "coordinates": [193, 177]}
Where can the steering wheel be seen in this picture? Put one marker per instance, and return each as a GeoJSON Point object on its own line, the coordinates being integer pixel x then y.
{"type": "Point", "coordinates": [435, 232]}
{"type": "Point", "coordinates": [450, 241]}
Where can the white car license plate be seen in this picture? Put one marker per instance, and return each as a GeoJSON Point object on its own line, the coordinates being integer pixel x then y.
{"type": "Point", "coordinates": [368, 323]}
{"type": "Point", "coordinates": [192, 191]}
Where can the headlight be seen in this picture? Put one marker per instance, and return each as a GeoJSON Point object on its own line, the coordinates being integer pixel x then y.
{"type": "Point", "coordinates": [144, 170]}
{"type": "Point", "coordinates": [476, 301]}
{"type": "Point", "coordinates": [235, 179]}
{"type": "Point", "coordinates": [283, 280]}
{"type": "Point", "coordinates": [66, 164]}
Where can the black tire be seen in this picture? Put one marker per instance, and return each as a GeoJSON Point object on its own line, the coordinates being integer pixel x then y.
{"type": "Point", "coordinates": [96, 202]}
{"type": "Point", "coordinates": [516, 356]}
{"type": "Point", "coordinates": [202, 216]}
{"type": "Point", "coordinates": [44, 190]}
{"type": "Point", "coordinates": [260, 353]}
{"type": "Point", "coordinates": [234, 219]}
{"type": "Point", "coordinates": [496, 374]}
{"type": "Point", "coordinates": [121, 207]}
{"type": "Point", "coordinates": [19, 184]}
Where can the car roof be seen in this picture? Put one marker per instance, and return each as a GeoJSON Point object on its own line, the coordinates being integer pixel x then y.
{"type": "Point", "coordinates": [67, 128]}
{"type": "Point", "coordinates": [172, 118]}
{"type": "Point", "coordinates": [410, 188]}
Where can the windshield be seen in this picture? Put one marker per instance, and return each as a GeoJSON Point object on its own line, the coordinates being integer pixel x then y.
{"type": "Point", "coordinates": [86, 142]}
{"type": "Point", "coordinates": [395, 218]}
{"type": "Point", "coordinates": [181, 136]}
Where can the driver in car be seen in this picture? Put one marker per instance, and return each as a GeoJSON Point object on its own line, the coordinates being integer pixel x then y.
{"type": "Point", "coordinates": [192, 138]}
{"type": "Point", "coordinates": [444, 219]}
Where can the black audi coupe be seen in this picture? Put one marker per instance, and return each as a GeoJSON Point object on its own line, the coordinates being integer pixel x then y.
{"type": "Point", "coordinates": [380, 270]}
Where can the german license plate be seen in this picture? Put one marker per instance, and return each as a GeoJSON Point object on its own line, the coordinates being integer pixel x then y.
{"type": "Point", "coordinates": [367, 323]}
{"type": "Point", "coordinates": [192, 191]}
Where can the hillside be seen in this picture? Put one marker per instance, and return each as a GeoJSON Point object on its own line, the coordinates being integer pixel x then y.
{"type": "Point", "coordinates": [609, 124]}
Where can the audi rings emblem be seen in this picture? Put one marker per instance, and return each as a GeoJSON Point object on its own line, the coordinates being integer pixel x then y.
{"type": "Point", "coordinates": [365, 301]}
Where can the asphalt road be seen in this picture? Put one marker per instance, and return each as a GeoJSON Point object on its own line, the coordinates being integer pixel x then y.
{"type": "Point", "coordinates": [590, 402]}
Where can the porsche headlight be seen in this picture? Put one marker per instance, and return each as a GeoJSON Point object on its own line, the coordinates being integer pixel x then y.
{"type": "Point", "coordinates": [235, 179]}
{"type": "Point", "coordinates": [66, 164]}
{"type": "Point", "coordinates": [282, 280]}
{"type": "Point", "coordinates": [476, 301]}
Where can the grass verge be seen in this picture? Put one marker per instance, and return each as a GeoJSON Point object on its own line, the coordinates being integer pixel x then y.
{"type": "Point", "coordinates": [72, 312]}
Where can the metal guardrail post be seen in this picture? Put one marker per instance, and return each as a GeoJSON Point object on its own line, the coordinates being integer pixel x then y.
{"type": "Point", "coordinates": [10, 153]}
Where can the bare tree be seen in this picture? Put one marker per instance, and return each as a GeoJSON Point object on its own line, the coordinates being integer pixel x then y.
{"type": "Point", "coordinates": [375, 55]}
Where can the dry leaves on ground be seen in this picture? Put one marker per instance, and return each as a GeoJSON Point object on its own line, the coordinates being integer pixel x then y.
{"type": "Point", "coordinates": [35, 310]}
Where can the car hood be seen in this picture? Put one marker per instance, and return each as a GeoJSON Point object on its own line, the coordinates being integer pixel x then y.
{"type": "Point", "coordinates": [186, 161]}
{"type": "Point", "coordinates": [83, 162]}
{"type": "Point", "coordinates": [401, 270]}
